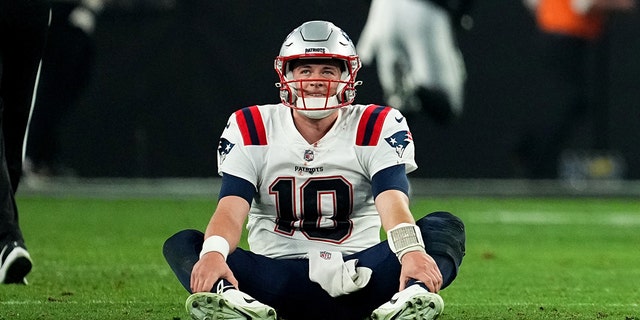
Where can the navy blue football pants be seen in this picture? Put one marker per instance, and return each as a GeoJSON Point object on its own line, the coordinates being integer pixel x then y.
{"type": "Point", "coordinates": [284, 283]}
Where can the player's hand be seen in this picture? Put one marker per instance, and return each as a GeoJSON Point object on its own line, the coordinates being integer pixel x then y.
{"type": "Point", "coordinates": [208, 270]}
{"type": "Point", "coordinates": [82, 18]}
{"type": "Point", "coordinates": [420, 266]}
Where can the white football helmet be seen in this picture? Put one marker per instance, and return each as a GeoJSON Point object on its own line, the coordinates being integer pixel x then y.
{"type": "Point", "coordinates": [317, 40]}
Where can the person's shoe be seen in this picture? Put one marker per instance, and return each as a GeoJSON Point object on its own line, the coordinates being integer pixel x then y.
{"type": "Point", "coordinates": [15, 263]}
{"type": "Point", "coordinates": [414, 302]}
{"type": "Point", "coordinates": [227, 303]}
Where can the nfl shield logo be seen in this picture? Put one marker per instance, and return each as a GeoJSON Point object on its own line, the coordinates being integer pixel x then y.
{"type": "Point", "coordinates": [325, 255]}
{"type": "Point", "coordinates": [308, 155]}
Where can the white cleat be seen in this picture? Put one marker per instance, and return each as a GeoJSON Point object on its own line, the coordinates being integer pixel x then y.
{"type": "Point", "coordinates": [229, 305]}
{"type": "Point", "coordinates": [412, 303]}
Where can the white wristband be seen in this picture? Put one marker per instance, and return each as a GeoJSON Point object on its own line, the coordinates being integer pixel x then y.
{"type": "Point", "coordinates": [217, 244]}
{"type": "Point", "coordinates": [405, 238]}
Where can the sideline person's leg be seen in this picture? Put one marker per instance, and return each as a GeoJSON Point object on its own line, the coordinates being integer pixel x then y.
{"type": "Point", "coordinates": [23, 26]}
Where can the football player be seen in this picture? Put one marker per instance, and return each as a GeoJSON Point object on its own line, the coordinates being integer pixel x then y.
{"type": "Point", "coordinates": [314, 178]}
{"type": "Point", "coordinates": [23, 30]}
{"type": "Point", "coordinates": [420, 67]}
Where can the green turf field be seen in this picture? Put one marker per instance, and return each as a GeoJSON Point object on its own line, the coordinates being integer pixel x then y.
{"type": "Point", "coordinates": [526, 258]}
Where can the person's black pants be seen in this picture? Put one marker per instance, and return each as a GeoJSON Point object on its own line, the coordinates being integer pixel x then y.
{"type": "Point", "coordinates": [23, 29]}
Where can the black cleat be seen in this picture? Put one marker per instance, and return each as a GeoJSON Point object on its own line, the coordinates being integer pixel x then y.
{"type": "Point", "coordinates": [15, 263]}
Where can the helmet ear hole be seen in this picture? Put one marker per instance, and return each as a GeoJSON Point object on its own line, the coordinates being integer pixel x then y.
{"type": "Point", "coordinates": [347, 95]}
{"type": "Point", "coordinates": [342, 97]}
{"type": "Point", "coordinates": [285, 95]}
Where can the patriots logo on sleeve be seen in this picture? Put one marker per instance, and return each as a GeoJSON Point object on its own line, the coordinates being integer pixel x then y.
{"type": "Point", "coordinates": [224, 147]}
{"type": "Point", "coordinates": [399, 141]}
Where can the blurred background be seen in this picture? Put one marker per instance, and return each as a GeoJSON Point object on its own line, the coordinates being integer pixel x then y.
{"type": "Point", "coordinates": [166, 74]}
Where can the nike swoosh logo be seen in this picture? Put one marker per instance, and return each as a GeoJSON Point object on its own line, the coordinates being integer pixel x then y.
{"type": "Point", "coordinates": [399, 119]}
{"type": "Point", "coordinates": [249, 300]}
{"type": "Point", "coordinates": [227, 126]}
{"type": "Point", "coordinates": [393, 301]}
{"type": "Point", "coordinates": [2, 254]}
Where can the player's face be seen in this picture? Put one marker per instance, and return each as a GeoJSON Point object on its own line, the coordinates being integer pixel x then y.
{"type": "Point", "coordinates": [319, 78]}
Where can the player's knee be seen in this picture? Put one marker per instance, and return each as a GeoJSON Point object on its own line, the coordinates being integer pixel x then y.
{"type": "Point", "coordinates": [182, 239]}
{"type": "Point", "coordinates": [443, 234]}
{"type": "Point", "coordinates": [441, 220]}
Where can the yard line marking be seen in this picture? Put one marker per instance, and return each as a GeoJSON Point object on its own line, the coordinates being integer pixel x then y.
{"type": "Point", "coordinates": [546, 304]}
{"type": "Point", "coordinates": [107, 302]}
{"type": "Point", "coordinates": [555, 218]}
{"type": "Point", "coordinates": [454, 304]}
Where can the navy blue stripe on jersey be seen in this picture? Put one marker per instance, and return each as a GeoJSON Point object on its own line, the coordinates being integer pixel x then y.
{"type": "Point", "coordinates": [251, 126]}
{"type": "Point", "coordinates": [236, 186]}
{"type": "Point", "coordinates": [391, 178]}
{"type": "Point", "coordinates": [370, 126]}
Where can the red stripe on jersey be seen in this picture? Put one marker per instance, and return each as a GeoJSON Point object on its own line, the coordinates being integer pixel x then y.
{"type": "Point", "coordinates": [370, 125]}
{"type": "Point", "coordinates": [251, 126]}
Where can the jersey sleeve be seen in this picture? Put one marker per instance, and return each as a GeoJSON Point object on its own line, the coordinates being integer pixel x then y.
{"type": "Point", "coordinates": [243, 132]}
{"type": "Point", "coordinates": [384, 140]}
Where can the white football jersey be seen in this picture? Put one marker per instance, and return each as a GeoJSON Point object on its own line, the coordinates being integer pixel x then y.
{"type": "Point", "coordinates": [313, 196]}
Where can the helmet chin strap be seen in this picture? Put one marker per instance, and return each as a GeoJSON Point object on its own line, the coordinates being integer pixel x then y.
{"type": "Point", "coordinates": [314, 108]}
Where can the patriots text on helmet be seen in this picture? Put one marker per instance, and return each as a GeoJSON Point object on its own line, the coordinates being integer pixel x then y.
{"type": "Point", "coordinates": [315, 50]}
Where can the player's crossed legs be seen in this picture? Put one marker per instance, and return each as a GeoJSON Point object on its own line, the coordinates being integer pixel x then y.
{"type": "Point", "coordinates": [228, 303]}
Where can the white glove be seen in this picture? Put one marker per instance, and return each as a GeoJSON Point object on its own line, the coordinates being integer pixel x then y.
{"type": "Point", "coordinates": [83, 18]}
